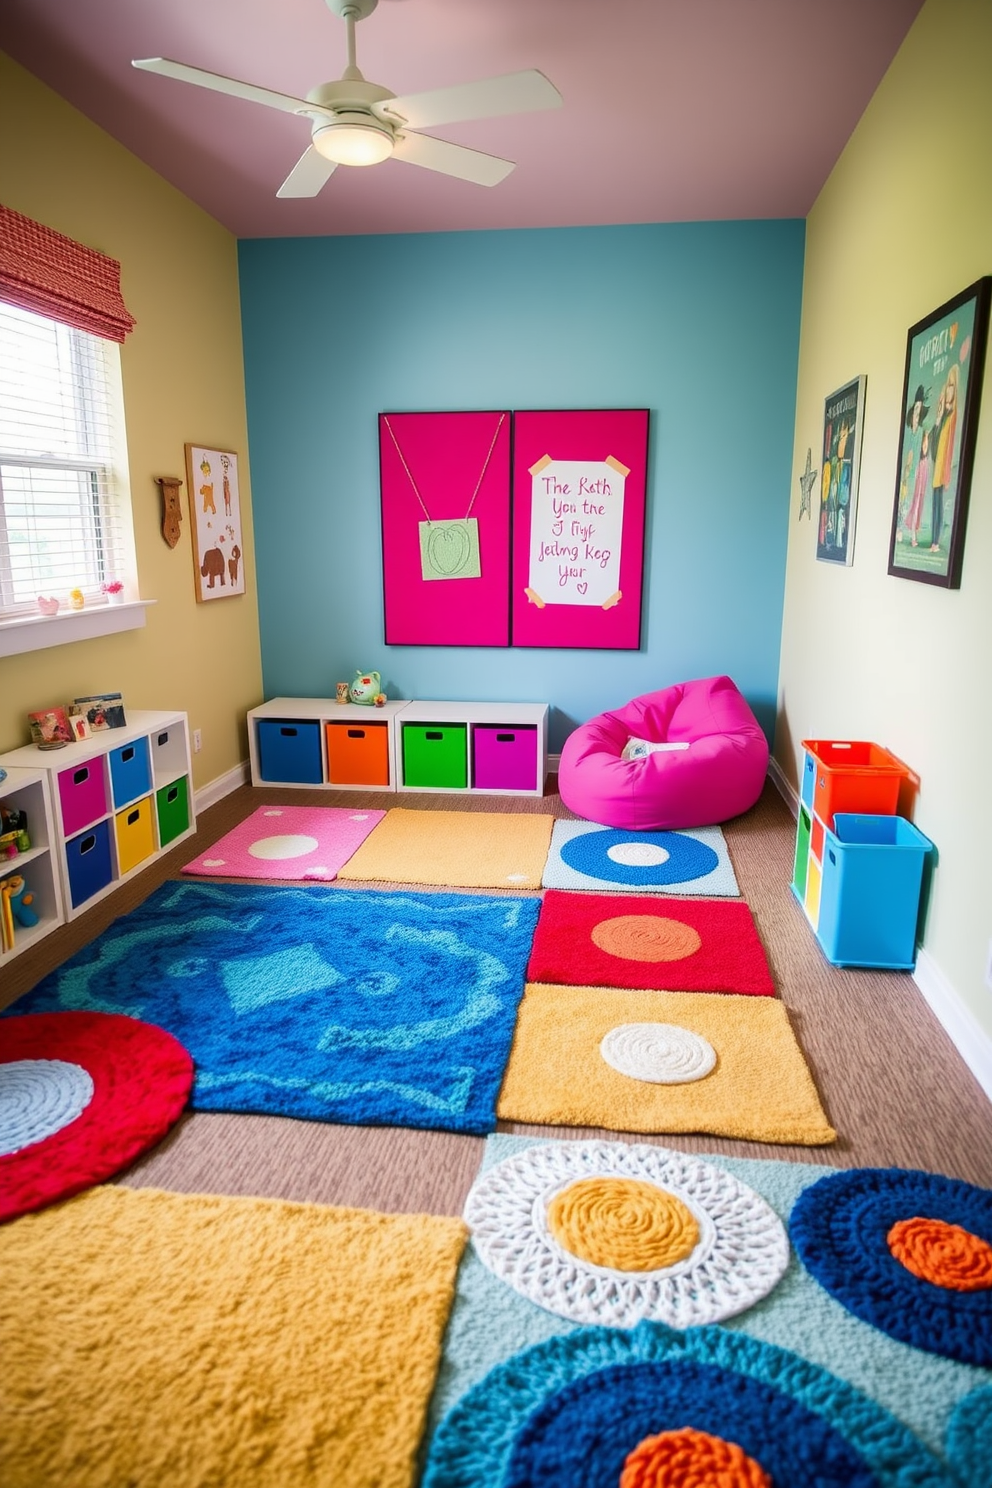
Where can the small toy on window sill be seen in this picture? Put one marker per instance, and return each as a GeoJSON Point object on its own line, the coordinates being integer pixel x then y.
{"type": "Point", "coordinates": [48, 606]}
{"type": "Point", "coordinates": [77, 599]}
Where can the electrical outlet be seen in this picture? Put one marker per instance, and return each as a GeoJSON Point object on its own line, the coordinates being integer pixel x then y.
{"type": "Point", "coordinates": [197, 741]}
{"type": "Point", "coordinates": [988, 968]}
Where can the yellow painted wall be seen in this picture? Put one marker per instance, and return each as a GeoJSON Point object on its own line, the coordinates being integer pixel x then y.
{"type": "Point", "coordinates": [903, 224]}
{"type": "Point", "coordinates": [183, 382]}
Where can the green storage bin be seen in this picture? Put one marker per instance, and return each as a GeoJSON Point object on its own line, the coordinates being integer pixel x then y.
{"type": "Point", "coordinates": [172, 805]}
{"type": "Point", "coordinates": [435, 754]}
{"type": "Point", "coordinates": [801, 865]}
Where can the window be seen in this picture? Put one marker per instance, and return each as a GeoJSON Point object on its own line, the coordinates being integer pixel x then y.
{"type": "Point", "coordinates": [64, 509]}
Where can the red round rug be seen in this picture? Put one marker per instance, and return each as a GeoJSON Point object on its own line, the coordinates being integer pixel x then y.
{"type": "Point", "coordinates": [81, 1096]}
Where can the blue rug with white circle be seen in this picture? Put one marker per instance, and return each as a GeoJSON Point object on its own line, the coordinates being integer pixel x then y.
{"type": "Point", "coordinates": [584, 855]}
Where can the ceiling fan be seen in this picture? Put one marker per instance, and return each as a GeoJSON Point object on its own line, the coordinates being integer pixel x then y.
{"type": "Point", "coordinates": [355, 122]}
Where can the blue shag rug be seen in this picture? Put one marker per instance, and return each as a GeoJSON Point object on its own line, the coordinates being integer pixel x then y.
{"type": "Point", "coordinates": [325, 1003]}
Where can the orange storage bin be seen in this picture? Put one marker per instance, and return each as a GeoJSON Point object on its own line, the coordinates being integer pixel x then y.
{"type": "Point", "coordinates": [357, 753]}
{"type": "Point", "coordinates": [853, 775]}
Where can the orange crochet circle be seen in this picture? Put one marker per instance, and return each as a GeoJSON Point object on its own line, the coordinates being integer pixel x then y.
{"type": "Point", "coordinates": [646, 938]}
{"type": "Point", "coordinates": [942, 1253]}
{"type": "Point", "coordinates": [691, 1459]}
{"type": "Point", "coordinates": [622, 1223]}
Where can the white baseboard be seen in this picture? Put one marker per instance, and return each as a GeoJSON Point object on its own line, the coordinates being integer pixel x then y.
{"type": "Point", "coordinates": [784, 788]}
{"type": "Point", "coordinates": [968, 1037]}
{"type": "Point", "coordinates": [216, 790]}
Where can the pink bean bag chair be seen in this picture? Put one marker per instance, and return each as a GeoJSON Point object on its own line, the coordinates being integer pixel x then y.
{"type": "Point", "coordinates": [718, 776]}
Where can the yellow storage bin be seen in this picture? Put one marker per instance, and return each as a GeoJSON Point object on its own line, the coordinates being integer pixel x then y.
{"type": "Point", "coordinates": [135, 830]}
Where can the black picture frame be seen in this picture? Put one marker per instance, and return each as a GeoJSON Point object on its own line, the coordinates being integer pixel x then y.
{"type": "Point", "coordinates": [938, 428]}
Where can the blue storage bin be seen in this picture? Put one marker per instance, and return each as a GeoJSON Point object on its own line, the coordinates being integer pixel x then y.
{"type": "Point", "coordinates": [130, 771]}
{"type": "Point", "coordinates": [290, 751]}
{"type": "Point", "coordinates": [870, 894]}
{"type": "Point", "coordinates": [89, 863]}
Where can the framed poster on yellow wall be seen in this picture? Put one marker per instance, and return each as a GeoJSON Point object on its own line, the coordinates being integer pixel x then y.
{"type": "Point", "coordinates": [215, 522]}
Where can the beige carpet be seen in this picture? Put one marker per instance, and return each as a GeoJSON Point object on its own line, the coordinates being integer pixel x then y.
{"type": "Point", "coordinates": [168, 1341]}
{"type": "Point", "coordinates": [454, 849]}
{"type": "Point", "coordinates": [759, 1088]}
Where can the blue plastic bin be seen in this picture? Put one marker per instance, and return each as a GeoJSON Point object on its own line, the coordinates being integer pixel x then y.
{"type": "Point", "coordinates": [289, 751]}
{"type": "Point", "coordinates": [130, 771]}
{"type": "Point", "coordinates": [89, 863]}
{"type": "Point", "coordinates": [870, 894]}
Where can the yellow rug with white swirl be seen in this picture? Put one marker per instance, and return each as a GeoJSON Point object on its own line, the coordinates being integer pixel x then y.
{"type": "Point", "coordinates": [154, 1338]}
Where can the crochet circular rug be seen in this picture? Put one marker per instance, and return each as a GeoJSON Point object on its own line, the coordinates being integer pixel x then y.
{"type": "Point", "coordinates": [909, 1252]}
{"type": "Point", "coordinates": [653, 1408]}
{"type": "Point", "coordinates": [607, 1233]}
{"type": "Point", "coordinates": [639, 858]}
{"type": "Point", "coordinates": [81, 1096]}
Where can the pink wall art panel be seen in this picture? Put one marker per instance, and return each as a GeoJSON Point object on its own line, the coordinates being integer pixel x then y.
{"type": "Point", "coordinates": [445, 488]}
{"type": "Point", "coordinates": [578, 527]}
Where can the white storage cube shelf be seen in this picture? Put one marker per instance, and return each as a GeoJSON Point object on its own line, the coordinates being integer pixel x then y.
{"type": "Point", "coordinates": [117, 801]}
{"type": "Point", "coordinates": [294, 743]}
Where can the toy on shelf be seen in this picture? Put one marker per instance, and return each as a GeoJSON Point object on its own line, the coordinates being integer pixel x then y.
{"type": "Point", "coordinates": [15, 906]}
{"type": "Point", "coordinates": [365, 687]}
{"type": "Point", "coordinates": [15, 891]}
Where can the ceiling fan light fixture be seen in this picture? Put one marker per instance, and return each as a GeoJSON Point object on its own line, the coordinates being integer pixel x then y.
{"type": "Point", "coordinates": [354, 141]}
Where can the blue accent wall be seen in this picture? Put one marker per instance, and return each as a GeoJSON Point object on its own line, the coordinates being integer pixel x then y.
{"type": "Point", "coordinates": [698, 322]}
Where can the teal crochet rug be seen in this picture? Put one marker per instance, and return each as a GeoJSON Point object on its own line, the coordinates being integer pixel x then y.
{"type": "Point", "coordinates": [326, 1003]}
{"type": "Point", "coordinates": [940, 1409]}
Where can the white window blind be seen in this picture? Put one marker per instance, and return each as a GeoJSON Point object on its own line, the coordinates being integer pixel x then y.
{"type": "Point", "coordinates": [64, 519]}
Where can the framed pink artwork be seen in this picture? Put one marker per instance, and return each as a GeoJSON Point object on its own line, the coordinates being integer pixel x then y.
{"type": "Point", "coordinates": [579, 481]}
{"type": "Point", "coordinates": [444, 482]}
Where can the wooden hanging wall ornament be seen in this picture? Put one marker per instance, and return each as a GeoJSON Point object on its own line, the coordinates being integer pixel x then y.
{"type": "Point", "coordinates": [171, 509]}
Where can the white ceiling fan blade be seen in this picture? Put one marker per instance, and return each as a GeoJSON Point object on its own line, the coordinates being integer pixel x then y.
{"type": "Point", "coordinates": [451, 160]}
{"type": "Point", "coordinates": [513, 93]}
{"type": "Point", "coordinates": [219, 84]}
{"type": "Point", "coordinates": [309, 174]}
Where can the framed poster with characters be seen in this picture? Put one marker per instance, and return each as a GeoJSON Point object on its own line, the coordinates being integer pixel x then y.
{"type": "Point", "coordinates": [938, 424]}
{"type": "Point", "coordinates": [215, 522]}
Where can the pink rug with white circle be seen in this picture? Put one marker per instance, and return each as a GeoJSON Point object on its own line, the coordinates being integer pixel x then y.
{"type": "Point", "coordinates": [81, 1096]}
{"type": "Point", "coordinates": [292, 842]}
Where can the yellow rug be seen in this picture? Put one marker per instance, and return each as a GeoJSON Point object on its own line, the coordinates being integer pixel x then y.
{"type": "Point", "coordinates": [457, 849]}
{"type": "Point", "coordinates": [164, 1340]}
{"type": "Point", "coordinates": [661, 1062]}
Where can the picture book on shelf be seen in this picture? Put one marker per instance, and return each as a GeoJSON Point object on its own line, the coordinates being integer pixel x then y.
{"type": "Point", "coordinates": [103, 710]}
{"type": "Point", "coordinates": [50, 726]}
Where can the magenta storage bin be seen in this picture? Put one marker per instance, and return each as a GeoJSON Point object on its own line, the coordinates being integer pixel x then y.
{"type": "Point", "coordinates": [82, 794]}
{"type": "Point", "coordinates": [504, 758]}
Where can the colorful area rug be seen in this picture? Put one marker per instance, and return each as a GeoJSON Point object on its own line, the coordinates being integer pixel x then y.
{"type": "Point", "coordinates": [946, 1405]}
{"type": "Point", "coordinates": [644, 1062]}
{"type": "Point", "coordinates": [909, 1252]}
{"type": "Point", "coordinates": [81, 1096]}
{"type": "Point", "coordinates": [602, 940]}
{"type": "Point", "coordinates": [316, 1002]}
{"type": "Point", "coordinates": [162, 1338]}
{"type": "Point", "coordinates": [586, 856]}
{"type": "Point", "coordinates": [457, 849]}
{"type": "Point", "coordinates": [295, 842]}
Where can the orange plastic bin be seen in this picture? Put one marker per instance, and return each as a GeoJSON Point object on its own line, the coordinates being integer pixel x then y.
{"type": "Point", "coordinates": [851, 775]}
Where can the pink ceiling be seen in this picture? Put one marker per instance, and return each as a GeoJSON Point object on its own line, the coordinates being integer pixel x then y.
{"type": "Point", "coordinates": [674, 110]}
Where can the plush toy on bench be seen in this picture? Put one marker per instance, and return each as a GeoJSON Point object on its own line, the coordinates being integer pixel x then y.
{"type": "Point", "coordinates": [712, 766]}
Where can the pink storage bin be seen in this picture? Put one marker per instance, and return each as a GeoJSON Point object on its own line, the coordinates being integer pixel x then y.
{"type": "Point", "coordinates": [504, 758]}
{"type": "Point", "coordinates": [83, 794]}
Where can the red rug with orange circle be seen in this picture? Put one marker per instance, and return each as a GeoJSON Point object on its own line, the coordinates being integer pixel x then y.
{"type": "Point", "coordinates": [647, 941]}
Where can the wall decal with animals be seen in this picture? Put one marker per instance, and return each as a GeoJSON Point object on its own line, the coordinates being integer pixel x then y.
{"type": "Point", "coordinates": [215, 519]}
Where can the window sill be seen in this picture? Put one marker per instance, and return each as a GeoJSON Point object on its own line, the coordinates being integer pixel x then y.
{"type": "Point", "coordinates": [36, 632]}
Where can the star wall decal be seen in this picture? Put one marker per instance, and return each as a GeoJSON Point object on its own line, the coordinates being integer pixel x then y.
{"type": "Point", "coordinates": [806, 483]}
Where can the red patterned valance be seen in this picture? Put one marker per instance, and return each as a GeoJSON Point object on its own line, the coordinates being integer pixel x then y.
{"type": "Point", "coordinates": [44, 271]}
